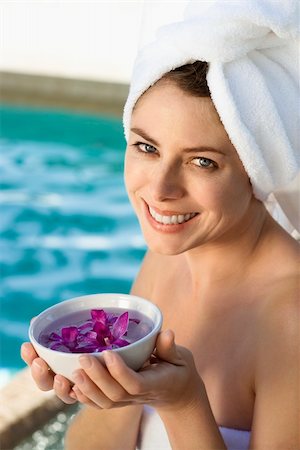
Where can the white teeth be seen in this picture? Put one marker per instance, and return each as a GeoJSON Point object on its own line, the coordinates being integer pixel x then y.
{"type": "Point", "coordinates": [166, 220]}
{"type": "Point", "coordinates": [171, 220]}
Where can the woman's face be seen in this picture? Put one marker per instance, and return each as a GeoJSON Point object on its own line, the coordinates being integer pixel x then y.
{"type": "Point", "coordinates": [183, 176]}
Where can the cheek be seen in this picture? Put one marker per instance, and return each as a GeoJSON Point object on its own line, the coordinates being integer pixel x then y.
{"type": "Point", "coordinates": [132, 175]}
{"type": "Point", "coordinates": [228, 193]}
{"type": "Point", "coordinates": [237, 194]}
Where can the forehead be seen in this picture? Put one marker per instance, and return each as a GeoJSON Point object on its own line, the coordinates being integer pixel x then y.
{"type": "Point", "coordinates": [166, 111]}
{"type": "Point", "coordinates": [167, 94]}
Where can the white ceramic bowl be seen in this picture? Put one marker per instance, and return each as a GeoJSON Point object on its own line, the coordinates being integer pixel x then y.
{"type": "Point", "coordinates": [134, 354]}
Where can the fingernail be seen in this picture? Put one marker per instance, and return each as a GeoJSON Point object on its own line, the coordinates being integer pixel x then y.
{"type": "Point", "coordinates": [77, 377]}
{"type": "Point", "coordinates": [108, 357]}
{"type": "Point", "coordinates": [85, 362]}
{"type": "Point", "coordinates": [24, 349]}
{"type": "Point", "coordinates": [38, 366]}
{"type": "Point", "coordinates": [169, 333]}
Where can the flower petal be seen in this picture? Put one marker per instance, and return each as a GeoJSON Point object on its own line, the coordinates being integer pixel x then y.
{"type": "Point", "coordinates": [60, 347]}
{"type": "Point", "coordinates": [99, 315]}
{"type": "Point", "coordinates": [120, 343]}
{"type": "Point", "coordinates": [120, 326]}
{"type": "Point", "coordinates": [101, 330]}
{"type": "Point", "coordinates": [90, 335]}
{"type": "Point", "coordinates": [111, 319]}
{"type": "Point", "coordinates": [85, 326]}
{"type": "Point", "coordinates": [69, 334]}
{"type": "Point", "coordinates": [55, 337]}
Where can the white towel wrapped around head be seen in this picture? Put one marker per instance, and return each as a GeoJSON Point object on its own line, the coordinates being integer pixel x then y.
{"type": "Point", "coordinates": [252, 48]}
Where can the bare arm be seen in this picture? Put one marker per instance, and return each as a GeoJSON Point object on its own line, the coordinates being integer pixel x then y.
{"type": "Point", "coordinates": [193, 427]}
{"type": "Point", "coordinates": [277, 379]}
{"type": "Point", "coordinates": [92, 428]}
{"type": "Point", "coordinates": [170, 384]}
{"type": "Point", "coordinates": [107, 429]}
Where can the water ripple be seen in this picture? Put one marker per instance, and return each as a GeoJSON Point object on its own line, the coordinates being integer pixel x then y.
{"type": "Point", "coordinates": [67, 227]}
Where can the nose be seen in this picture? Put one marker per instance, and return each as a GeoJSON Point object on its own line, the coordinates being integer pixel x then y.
{"type": "Point", "coordinates": [167, 183]}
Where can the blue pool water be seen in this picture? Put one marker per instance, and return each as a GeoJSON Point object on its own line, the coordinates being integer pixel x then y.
{"type": "Point", "coordinates": [66, 225]}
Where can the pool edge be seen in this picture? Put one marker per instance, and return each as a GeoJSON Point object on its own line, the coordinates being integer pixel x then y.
{"type": "Point", "coordinates": [24, 408]}
{"type": "Point", "coordinates": [90, 96]}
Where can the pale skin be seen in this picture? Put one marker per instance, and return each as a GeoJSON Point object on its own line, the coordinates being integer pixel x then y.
{"type": "Point", "coordinates": [227, 282]}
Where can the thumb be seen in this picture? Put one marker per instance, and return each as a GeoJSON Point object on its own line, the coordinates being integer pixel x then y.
{"type": "Point", "coordinates": [166, 349]}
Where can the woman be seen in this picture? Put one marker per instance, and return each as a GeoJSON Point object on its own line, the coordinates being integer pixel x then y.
{"type": "Point", "coordinates": [225, 275]}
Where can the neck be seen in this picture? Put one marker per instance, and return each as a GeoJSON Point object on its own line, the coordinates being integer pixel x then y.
{"type": "Point", "coordinates": [228, 259]}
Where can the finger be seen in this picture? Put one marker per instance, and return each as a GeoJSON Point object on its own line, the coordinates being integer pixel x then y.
{"type": "Point", "coordinates": [83, 399]}
{"type": "Point", "coordinates": [130, 380]}
{"type": "Point", "coordinates": [90, 390]}
{"type": "Point", "coordinates": [62, 388]}
{"type": "Point", "coordinates": [72, 394]}
{"type": "Point", "coordinates": [28, 354]}
{"type": "Point", "coordinates": [41, 375]}
{"type": "Point", "coordinates": [166, 348]}
{"type": "Point", "coordinates": [103, 379]}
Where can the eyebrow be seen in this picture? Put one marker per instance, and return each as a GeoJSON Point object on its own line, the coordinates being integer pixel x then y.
{"type": "Point", "coordinates": [199, 148]}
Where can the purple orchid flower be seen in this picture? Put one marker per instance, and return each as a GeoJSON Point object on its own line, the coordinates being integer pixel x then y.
{"type": "Point", "coordinates": [103, 331]}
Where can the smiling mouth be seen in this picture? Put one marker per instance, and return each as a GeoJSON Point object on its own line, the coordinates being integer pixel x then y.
{"type": "Point", "coordinates": [171, 219]}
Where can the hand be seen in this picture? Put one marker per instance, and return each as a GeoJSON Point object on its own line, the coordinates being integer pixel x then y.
{"type": "Point", "coordinates": [169, 382]}
{"type": "Point", "coordinates": [44, 377]}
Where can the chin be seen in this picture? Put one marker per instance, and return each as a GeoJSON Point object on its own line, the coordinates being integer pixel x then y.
{"type": "Point", "coordinates": [163, 247]}
{"type": "Point", "coordinates": [163, 250]}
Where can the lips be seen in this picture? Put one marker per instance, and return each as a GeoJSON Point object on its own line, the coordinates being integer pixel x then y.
{"type": "Point", "coordinates": [168, 221]}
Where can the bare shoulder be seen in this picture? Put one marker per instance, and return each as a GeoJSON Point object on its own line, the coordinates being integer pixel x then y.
{"type": "Point", "coordinates": [282, 301]}
{"type": "Point", "coordinates": [277, 376]}
{"type": "Point", "coordinates": [280, 288]}
{"type": "Point", "coordinates": [281, 256]}
{"type": "Point", "coordinates": [279, 313]}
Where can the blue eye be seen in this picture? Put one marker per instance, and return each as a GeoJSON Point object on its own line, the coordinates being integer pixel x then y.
{"type": "Point", "coordinates": [146, 148]}
{"type": "Point", "coordinates": [206, 163]}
